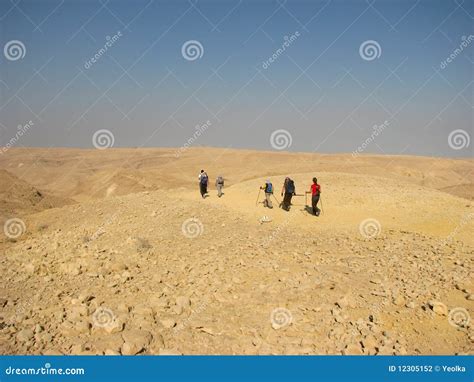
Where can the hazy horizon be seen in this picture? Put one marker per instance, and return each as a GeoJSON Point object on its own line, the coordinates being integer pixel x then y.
{"type": "Point", "coordinates": [328, 77]}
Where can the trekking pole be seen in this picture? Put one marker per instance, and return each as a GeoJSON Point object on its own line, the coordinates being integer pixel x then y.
{"type": "Point", "coordinates": [260, 190]}
{"type": "Point", "coordinates": [276, 199]}
{"type": "Point", "coordinates": [322, 208]}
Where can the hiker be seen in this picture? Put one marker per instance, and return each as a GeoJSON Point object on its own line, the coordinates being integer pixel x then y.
{"type": "Point", "coordinates": [268, 188]}
{"type": "Point", "coordinates": [315, 191]}
{"type": "Point", "coordinates": [288, 190]}
{"type": "Point", "coordinates": [219, 185]}
{"type": "Point", "coordinates": [203, 179]}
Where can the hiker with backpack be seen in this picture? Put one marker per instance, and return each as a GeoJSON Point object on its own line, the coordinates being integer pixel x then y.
{"type": "Point", "coordinates": [315, 191]}
{"type": "Point", "coordinates": [203, 180]}
{"type": "Point", "coordinates": [288, 190]}
{"type": "Point", "coordinates": [268, 188]}
{"type": "Point", "coordinates": [219, 185]}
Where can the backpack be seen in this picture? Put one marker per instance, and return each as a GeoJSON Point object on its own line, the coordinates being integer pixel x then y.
{"type": "Point", "coordinates": [204, 179]}
{"type": "Point", "coordinates": [269, 188]}
{"type": "Point", "coordinates": [220, 180]}
{"type": "Point", "coordinates": [290, 187]}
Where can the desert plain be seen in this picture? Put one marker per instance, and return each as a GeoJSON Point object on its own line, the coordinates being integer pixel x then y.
{"type": "Point", "coordinates": [115, 252]}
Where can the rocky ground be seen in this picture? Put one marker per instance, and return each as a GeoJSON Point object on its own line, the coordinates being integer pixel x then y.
{"type": "Point", "coordinates": [115, 252]}
{"type": "Point", "coordinates": [155, 273]}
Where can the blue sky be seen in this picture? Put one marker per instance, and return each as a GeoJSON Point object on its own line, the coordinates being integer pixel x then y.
{"type": "Point", "coordinates": [320, 90]}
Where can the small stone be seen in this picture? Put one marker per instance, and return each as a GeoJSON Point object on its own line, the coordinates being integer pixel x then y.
{"type": "Point", "coordinates": [376, 281]}
{"type": "Point", "coordinates": [470, 297]}
{"type": "Point", "coordinates": [168, 323]}
{"type": "Point", "coordinates": [82, 327]}
{"type": "Point", "coordinates": [399, 300]}
{"type": "Point", "coordinates": [385, 350]}
{"type": "Point", "coordinates": [438, 308]}
{"type": "Point", "coordinates": [352, 349]}
{"type": "Point", "coordinates": [25, 335]}
{"type": "Point", "coordinates": [111, 352]}
{"type": "Point", "coordinates": [135, 341]}
{"type": "Point", "coordinates": [53, 352]}
{"type": "Point", "coordinates": [369, 342]}
{"type": "Point", "coordinates": [129, 348]}
{"type": "Point", "coordinates": [183, 301]}
{"type": "Point", "coordinates": [169, 352]}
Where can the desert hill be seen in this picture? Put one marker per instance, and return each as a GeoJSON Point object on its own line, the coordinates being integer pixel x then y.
{"type": "Point", "coordinates": [84, 174]}
{"type": "Point", "coordinates": [141, 264]}
{"type": "Point", "coordinates": [17, 197]}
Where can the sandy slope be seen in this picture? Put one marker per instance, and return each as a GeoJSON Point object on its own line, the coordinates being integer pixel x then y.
{"type": "Point", "coordinates": [85, 174]}
{"type": "Point", "coordinates": [129, 271]}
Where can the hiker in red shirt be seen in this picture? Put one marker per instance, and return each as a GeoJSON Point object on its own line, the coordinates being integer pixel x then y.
{"type": "Point", "coordinates": [315, 192]}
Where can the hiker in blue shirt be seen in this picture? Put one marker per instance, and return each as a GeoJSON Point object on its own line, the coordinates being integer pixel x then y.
{"type": "Point", "coordinates": [268, 188]}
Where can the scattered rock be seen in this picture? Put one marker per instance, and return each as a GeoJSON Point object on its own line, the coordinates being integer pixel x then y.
{"type": "Point", "coordinates": [168, 323]}
{"type": "Point", "coordinates": [135, 341]}
{"type": "Point", "coordinates": [169, 352]}
{"type": "Point", "coordinates": [25, 335]}
{"type": "Point", "coordinates": [352, 349]}
{"type": "Point", "coordinates": [438, 308]}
